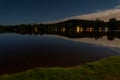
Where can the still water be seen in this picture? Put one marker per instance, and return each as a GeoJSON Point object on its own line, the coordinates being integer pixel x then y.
{"type": "Point", "coordinates": [22, 52]}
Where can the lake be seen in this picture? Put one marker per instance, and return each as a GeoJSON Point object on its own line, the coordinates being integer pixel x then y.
{"type": "Point", "coordinates": [22, 52]}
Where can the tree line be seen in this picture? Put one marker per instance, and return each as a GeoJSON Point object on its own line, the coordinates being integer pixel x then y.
{"type": "Point", "coordinates": [70, 25]}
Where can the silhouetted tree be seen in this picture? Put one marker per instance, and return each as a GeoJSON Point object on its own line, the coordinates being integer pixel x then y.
{"type": "Point", "coordinates": [113, 24]}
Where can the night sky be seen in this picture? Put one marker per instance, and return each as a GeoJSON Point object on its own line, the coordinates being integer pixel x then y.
{"type": "Point", "coordinates": [36, 11]}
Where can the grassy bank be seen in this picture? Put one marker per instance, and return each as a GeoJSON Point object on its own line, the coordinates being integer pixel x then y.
{"type": "Point", "coordinates": [105, 69]}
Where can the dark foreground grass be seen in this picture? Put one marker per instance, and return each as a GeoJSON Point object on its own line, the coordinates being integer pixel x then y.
{"type": "Point", "coordinates": [105, 69]}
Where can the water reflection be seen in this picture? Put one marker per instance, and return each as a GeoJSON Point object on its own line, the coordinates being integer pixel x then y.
{"type": "Point", "coordinates": [22, 52]}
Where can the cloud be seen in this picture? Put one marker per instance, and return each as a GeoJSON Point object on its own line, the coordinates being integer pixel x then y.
{"type": "Point", "coordinates": [117, 7]}
{"type": "Point", "coordinates": [103, 14]}
{"type": "Point", "coordinates": [99, 10]}
{"type": "Point", "coordinates": [104, 10]}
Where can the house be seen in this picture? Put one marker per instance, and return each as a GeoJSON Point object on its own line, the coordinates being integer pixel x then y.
{"type": "Point", "coordinates": [89, 29]}
{"type": "Point", "coordinates": [100, 29]}
{"type": "Point", "coordinates": [79, 29]}
{"type": "Point", "coordinates": [36, 29]}
{"type": "Point", "coordinates": [63, 29]}
{"type": "Point", "coordinates": [107, 29]}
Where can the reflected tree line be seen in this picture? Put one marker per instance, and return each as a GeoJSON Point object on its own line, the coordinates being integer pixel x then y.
{"type": "Point", "coordinates": [71, 28]}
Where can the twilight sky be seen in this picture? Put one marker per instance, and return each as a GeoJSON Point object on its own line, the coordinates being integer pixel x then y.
{"type": "Point", "coordinates": [36, 11]}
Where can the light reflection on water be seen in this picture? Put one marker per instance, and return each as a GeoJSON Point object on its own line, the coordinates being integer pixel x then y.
{"type": "Point", "coordinates": [22, 52]}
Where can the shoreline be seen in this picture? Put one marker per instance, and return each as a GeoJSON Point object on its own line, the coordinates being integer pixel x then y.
{"type": "Point", "coordinates": [102, 69]}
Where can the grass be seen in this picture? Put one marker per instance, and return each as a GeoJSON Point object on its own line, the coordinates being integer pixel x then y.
{"type": "Point", "coordinates": [105, 69]}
